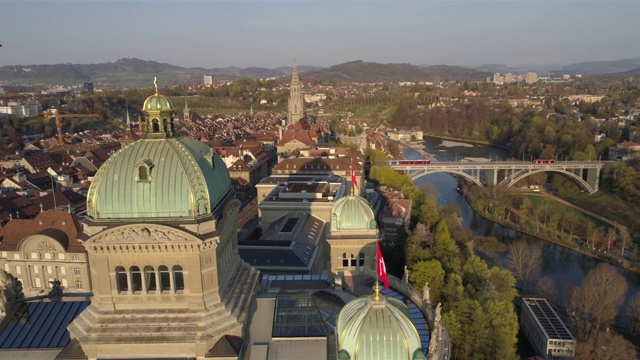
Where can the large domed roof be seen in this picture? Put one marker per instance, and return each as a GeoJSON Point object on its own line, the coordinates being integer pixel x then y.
{"type": "Point", "coordinates": [352, 213]}
{"type": "Point", "coordinates": [377, 328]}
{"type": "Point", "coordinates": [159, 179]}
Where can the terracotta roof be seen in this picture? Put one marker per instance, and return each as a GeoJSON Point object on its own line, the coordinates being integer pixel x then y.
{"type": "Point", "coordinates": [59, 225]}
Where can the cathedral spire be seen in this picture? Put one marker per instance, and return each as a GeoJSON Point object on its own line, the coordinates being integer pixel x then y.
{"type": "Point", "coordinates": [296, 103]}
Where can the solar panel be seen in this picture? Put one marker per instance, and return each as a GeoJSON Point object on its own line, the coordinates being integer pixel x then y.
{"type": "Point", "coordinates": [548, 319]}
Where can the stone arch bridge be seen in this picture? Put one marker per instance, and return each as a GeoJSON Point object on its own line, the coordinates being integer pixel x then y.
{"type": "Point", "coordinates": [504, 173]}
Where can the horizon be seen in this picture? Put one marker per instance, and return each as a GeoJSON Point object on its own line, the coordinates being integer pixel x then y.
{"type": "Point", "coordinates": [269, 34]}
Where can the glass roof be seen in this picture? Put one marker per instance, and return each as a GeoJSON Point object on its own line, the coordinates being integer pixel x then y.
{"type": "Point", "coordinates": [41, 325]}
{"type": "Point", "coordinates": [305, 314]}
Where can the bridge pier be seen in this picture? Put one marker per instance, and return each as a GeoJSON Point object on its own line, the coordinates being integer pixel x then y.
{"type": "Point", "coordinates": [593, 178]}
{"type": "Point", "coordinates": [492, 177]}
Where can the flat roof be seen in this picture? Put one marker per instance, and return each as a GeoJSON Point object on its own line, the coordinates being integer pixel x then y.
{"type": "Point", "coordinates": [547, 318]}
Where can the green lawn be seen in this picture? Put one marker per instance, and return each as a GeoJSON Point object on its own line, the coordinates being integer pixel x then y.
{"type": "Point", "coordinates": [608, 205]}
{"type": "Point", "coordinates": [556, 207]}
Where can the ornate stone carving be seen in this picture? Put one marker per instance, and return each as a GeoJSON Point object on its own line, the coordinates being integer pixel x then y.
{"type": "Point", "coordinates": [141, 234]}
{"type": "Point", "coordinates": [425, 293]}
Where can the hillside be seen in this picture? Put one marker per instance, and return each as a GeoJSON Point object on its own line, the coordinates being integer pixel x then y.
{"type": "Point", "coordinates": [369, 72]}
{"type": "Point", "coordinates": [132, 72]}
{"type": "Point", "coordinates": [601, 67]}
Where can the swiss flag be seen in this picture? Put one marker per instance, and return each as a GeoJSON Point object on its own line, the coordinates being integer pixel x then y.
{"type": "Point", "coordinates": [354, 180]}
{"type": "Point", "coordinates": [381, 269]}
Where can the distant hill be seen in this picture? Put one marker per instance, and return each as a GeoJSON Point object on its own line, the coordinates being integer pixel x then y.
{"type": "Point", "coordinates": [600, 67]}
{"type": "Point", "coordinates": [369, 72]}
{"type": "Point", "coordinates": [633, 73]}
{"type": "Point", "coordinates": [132, 72]}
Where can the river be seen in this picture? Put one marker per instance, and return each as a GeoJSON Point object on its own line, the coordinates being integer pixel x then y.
{"type": "Point", "coordinates": [564, 266]}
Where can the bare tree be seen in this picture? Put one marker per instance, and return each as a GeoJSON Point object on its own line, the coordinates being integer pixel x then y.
{"type": "Point", "coordinates": [546, 287]}
{"type": "Point", "coordinates": [606, 345]}
{"type": "Point", "coordinates": [596, 302]}
{"type": "Point", "coordinates": [524, 260]}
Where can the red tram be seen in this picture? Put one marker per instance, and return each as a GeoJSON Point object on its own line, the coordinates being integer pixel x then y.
{"type": "Point", "coordinates": [544, 161]}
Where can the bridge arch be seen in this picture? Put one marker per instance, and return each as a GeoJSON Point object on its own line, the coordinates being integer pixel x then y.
{"type": "Point", "coordinates": [421, 173]}
{"type": "Point", "coordinates": [510, 181]}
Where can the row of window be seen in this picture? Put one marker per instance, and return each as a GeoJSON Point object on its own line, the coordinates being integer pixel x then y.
{"type": "Point", "coordinates": [64, 283]}
{"type": "Point", "coordinates": [135, 281]}
{"type": "Point", "coordinates": [36, 269]}
{"type": "Point", "coordinates": [45, 256]}
{"type": "Point", "coordinates": [351, 260]}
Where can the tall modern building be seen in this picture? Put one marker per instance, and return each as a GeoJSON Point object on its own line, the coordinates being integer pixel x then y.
{"type": "Point", "coordinates": [161, 242]}
{"type": "Point", "coordinates": [296, 102]}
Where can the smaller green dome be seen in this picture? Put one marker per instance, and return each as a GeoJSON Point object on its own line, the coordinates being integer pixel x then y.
{"type": "Point", "coordinates": [157, 102]}
{"type": "Point", "coordinates": [377, 328]}
{"type": "Point", "coordinates": [352, 213]}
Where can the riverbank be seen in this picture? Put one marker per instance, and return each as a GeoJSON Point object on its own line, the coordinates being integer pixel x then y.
{"type": "Point", "coordinates": [615, 261]}
{"type": "Point", "coordinates": [479, 142]}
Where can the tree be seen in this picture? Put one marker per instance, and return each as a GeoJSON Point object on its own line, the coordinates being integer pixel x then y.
{"type": "Point", "coordinates": [445, 249]}
{"type": "Point", "coordinates": [10, 290]}
{"type": "Point", "coordinates": [546, 287]}
{"type": "Point", "coordinates": [596, 302]}
{"type": "Point", "coordinates": [430, 272]}
{"type": "Point", "coordinates": [606, 345]}
{"type": "Point", "coordinates": [416, 249]}
{"type": "Point", "coordinates": [525, 261]}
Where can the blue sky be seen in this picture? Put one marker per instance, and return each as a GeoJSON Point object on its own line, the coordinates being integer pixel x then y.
{"type": "Point", "coordinates": [270, 33]}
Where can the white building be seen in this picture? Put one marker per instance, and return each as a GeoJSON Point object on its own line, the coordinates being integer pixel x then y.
{"type": "Point", "coordinates": [547, 334]}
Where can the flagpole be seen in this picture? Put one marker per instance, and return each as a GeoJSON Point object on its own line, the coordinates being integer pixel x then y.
{"type": "Point", "coordinates": [376, 288]}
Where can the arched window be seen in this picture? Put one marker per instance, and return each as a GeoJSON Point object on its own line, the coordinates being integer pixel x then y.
{"type": "Point", "coordinates": [353, 260]}
{"type": "Point", "coordinates": [345, 260]}
{"type": "Point", "coordinates": [38, 282]}
{"type": "Point", "coordinates": [165, 282]}
{"type": "Point", "coordinates": [155, 126]}
{"type": "Point", "coordinates": [178, 278]}
{"type": "Point", "coordinates": [65, 283]}
{"type": "Point", "coordinates": [143, 174]}
{"type": "Point", "coordinates": [121, 280]}
{"type": "Point", "coordinates": [150, 278]}
{"type": "Point", "coordinates": [361, 260]}
{"type": "Point", "coordinates": [136, 279]}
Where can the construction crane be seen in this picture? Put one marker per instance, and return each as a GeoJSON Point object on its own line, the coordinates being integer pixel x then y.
{"type": "Point", "coordinates": [59, 118]}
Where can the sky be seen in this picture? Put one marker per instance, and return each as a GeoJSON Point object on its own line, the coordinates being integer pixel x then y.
{"type": "Point", "coordinates": [269, 33]}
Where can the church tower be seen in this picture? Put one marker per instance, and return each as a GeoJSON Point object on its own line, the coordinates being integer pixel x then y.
{"type": "Point", "coordinates": [296, 102]}
{"type": "Point", "coordinates": [185, 115]}
{"type": "Point", "coordinates": [162, 247]}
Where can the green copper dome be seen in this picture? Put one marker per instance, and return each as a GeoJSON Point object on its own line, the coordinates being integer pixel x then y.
{"type": "Point", "coordinates": [159, 179]}
{"type": "Point", "coordinates": [352, 213]}
{"type": "Point", "coordinates": [377, 328]}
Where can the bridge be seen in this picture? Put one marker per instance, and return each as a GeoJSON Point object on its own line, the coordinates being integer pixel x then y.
{"type": "Point", "coordinates": [505, 173]}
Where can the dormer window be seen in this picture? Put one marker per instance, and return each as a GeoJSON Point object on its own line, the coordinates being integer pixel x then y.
{"type": "Point", "coordinates": [143, 173]}
{"type": "Point", "coordinates": [144, 170]}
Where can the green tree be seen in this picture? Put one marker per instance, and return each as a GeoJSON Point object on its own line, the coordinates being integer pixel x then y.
{"type": "Point", "coordinates": [430, 272]}
{"type": "Point", "coordinates": [445, 249]}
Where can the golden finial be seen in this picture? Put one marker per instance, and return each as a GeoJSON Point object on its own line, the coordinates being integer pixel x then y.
{"type": "Point", "coordinates": [155, 83]}
{"type": "Point", "coordinates": [376, 291]}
